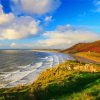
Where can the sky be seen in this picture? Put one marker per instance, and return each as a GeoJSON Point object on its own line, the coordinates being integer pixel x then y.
{"type": "Point", "coordinates": [48, 24]}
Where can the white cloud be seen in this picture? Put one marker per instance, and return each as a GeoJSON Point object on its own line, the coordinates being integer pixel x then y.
{"type": "Point", "coordinates": [66, 37]}
{"type": "Point", "coordinates": [97, 2]}
{"type": "Point", "coordinates": [1, 44]}
{"type": "Point", "coordinates": [5, 18]}
{"type": "Point", "coordinates": [65, 27]}
{"type": "Point", "coordinates": [61, 38]}
{"type": "Point", "coordinates": [35, 6]}
{"type": "Point", "coordinates": [13, 45]}
{"type": "Point", "coordinates": [48, 18]}
{"type": "Point", "coordinates": [20, 28]}
{"type": "Point", "coordinates": [97, 5]}
{"type": "Point", "coordinates": [17, 28]}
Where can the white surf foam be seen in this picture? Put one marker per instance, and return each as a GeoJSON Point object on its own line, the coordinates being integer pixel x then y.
{"type": "Point", "coordinates": [28, 74]}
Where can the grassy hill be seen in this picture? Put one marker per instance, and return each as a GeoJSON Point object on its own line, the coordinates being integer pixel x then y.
{"type": "Point", "coordinates": [84, 47]}
{"type": "Point", "coordinates": [86, 52]}
{"type": "Point", "coordinates": [70, 80]}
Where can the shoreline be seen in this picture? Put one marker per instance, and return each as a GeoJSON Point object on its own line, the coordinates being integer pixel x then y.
{"type": "Point", "coordinates": [28, 74]}
{"type": "Point", "coordinates": [31, 72]}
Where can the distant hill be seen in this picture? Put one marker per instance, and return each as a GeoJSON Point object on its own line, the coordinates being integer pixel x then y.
{"type": "Point", "coordinates": [84, 47]}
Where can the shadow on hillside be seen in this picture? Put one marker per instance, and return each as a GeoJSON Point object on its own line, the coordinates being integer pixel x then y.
{"type": "Point", "coordinates": [73, 86]}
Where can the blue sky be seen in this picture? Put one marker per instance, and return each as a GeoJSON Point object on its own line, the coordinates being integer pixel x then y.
{"type": "Point", "coordinates": [55, 24]}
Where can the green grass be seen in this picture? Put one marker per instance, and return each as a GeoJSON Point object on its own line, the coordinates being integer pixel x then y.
{"type": "Point", "coordinates": [90, 92]}
{"type": "Point", "coordinates": [76, 82]}
{"type": "Point", "coordinates": [59, 83]}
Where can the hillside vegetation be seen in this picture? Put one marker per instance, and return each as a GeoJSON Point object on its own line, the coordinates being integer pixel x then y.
{"type": "Point", "coordinates": [89, 55]}
{"type": "Point", "coordinates": [85, 52]}
{"type": "Point", "coordinates": [84, 47]}
{"type": "Point", "coordinates": [70, 80]}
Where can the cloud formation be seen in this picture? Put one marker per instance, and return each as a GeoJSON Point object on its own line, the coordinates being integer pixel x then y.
{"type": "Point", "coordinates": [5, 18]}
{"type": "Point", "coordinates": [61, 38]}
{"type": "Point", "coordinates": [14, 27]}
{"type": "Point", "coordinates": [17, 28]}
{"type": "Point", "coordinates": [13, 45]}
{"type": "Point", "coordinates": [48, 18]}
{"type": "Point", "coordinates": [35, 6]}
{"type": "Point", "coordinates": [66, 36]}
{"type": "Point", "coordinates": [97, 5]}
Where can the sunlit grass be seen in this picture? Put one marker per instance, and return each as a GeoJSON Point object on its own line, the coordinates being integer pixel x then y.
{"type": "Point", "coordinates": [89, 55]}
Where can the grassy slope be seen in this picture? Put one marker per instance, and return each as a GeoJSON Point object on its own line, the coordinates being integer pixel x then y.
{"type": "Point", "coordinates": [87, 51]}
{"type": "Point", "coordinates": [84, 47]}
{"type": "Point", "coordinates": [90, 92]}
{"type": "Point", "coordinates": [89, 55]}
{"type": "Point", "coordinates": [71, 80]}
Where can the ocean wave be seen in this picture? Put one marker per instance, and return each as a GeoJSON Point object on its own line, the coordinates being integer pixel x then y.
{"type": "Point", "coordinates": [28, 74]}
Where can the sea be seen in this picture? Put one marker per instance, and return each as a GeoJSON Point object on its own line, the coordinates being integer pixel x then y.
{"type": "Point", "coordinates": [18, 67]}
